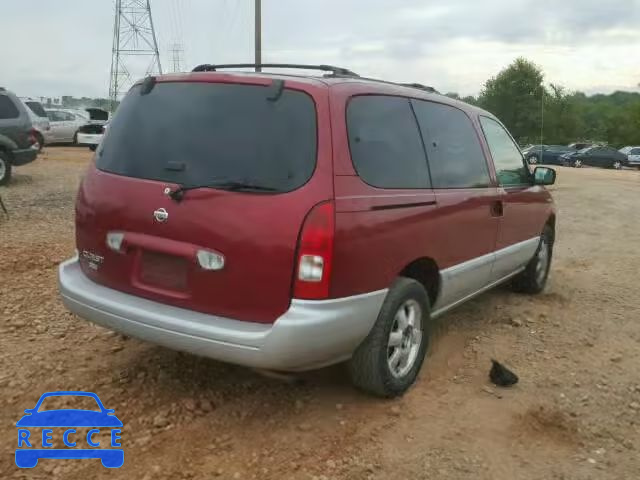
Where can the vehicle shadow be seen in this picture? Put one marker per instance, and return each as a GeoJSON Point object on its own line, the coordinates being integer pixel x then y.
{"type": "Point", "coordinates": [19, 179]}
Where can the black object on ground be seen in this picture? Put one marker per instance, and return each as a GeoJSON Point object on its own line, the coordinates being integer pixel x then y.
{"type": "Point", "coordinates": [501, 375]}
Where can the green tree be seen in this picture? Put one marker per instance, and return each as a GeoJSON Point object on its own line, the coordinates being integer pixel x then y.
{"type": "Point", "coordinates": [515, 97]}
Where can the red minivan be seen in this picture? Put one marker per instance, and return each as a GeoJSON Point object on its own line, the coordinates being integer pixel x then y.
{"type": "Point", "coordinates": [289, 222]}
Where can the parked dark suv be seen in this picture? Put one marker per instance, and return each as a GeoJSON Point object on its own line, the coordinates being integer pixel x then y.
{"type": "Point", "coordinates": [18, 138]}
{"type": "Point", "coordinates": [291, 222]}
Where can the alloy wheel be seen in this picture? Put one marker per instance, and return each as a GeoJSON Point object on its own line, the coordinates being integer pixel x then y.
{"type": "Point", "coordinates": [405, 338]}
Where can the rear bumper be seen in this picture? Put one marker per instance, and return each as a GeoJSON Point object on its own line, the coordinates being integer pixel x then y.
{"type": "Point", "coordinates": [89, 138]}
{"type": "Point", "coordinates": [24, 156]}
{"type": "Point", "coordinates": [311, 334]}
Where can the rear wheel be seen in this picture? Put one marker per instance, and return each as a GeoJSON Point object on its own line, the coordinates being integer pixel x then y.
{"type": "Point", "coordinates": [40, 140]}
{"type": "Point", "coordinates": [533, 160]}
{"type": "Point", "coordinates": [617, 165]}
{"type": "Point", "coordinates": [577, 163]}
{"type": "Point", "coordinates": [534, 277]}
{"type": "Point", "coordinates": [387, 362]}
{"type": "Point", "coordinates": [5, 168]}
{"type": "Point", "coordinates": [75, 138]}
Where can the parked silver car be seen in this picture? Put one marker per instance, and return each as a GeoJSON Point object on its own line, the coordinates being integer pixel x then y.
{"type": "Point", "coordinates": [65, 124]}
{"type": "Point", "coordinates": [39, 120]}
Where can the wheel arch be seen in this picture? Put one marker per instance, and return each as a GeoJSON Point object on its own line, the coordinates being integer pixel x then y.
{"type": "Point", "coordinates": [426, 271]}
{"type": "Point", "coordinates": [551, 222]}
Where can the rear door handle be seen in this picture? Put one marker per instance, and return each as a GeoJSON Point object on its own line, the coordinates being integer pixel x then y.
{"type": "Point", "coordinates": [497, 208]}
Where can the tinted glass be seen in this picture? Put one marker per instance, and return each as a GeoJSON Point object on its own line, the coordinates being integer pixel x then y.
{"type": "Point", "coordinates": [507, 158]}
{"type": "Point", "coordinates": [453, 149]}
{"type": "Point", "coordinates": [36, 107]}
{"type": "Point", "coordinates": [194, 133]}
{"type": "Point", "coordinates": [635, 151]}
{"type": "Point", "coordinates": [7, 108]}
{"type": "Point", "coordinates": [385, 142]}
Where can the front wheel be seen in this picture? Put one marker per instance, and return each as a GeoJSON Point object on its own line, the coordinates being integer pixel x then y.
{"type": "Point", "coordinates": [617, 165]}
{"type": "Point", "coordinates": [577, 163]}
{"type": "Point", "coordinates": [534, 277]}
{"type": "Point", "coordinates": [387, 362]}
{"type": "Point", "coordinates": [533, 160]}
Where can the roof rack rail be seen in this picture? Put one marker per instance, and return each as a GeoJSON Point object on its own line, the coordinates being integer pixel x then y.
{"type": "Point", "coordinates": [325, 68]}
{"type": "Point", "coordinates": [419, 86]}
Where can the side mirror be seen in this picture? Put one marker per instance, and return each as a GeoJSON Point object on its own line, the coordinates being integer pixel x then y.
{"type": "Point", "coordinates": [544, 176]}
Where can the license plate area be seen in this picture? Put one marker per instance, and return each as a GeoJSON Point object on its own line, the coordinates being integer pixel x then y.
{"type": "Point", "coordinates": [163, 271]}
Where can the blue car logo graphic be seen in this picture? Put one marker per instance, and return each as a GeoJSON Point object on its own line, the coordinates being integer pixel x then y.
{"type": "Point", "coordinates": [29, 452]}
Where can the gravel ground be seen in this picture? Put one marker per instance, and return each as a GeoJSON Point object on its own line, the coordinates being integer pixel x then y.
{"type": "Point", "coordinates": [574, 415]}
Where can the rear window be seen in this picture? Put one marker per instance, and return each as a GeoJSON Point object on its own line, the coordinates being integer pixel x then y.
{"type": "Point", "coordinates": [36, 107]}
{"type": "Point", "coordinates": [386, 148]}
{"type": "Point", "coordinates": [193, 133]}
{"type": "Point", "coordinates": [7, 108]}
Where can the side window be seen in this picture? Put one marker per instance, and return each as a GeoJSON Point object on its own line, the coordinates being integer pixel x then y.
{"type": "Point", "coordinates": [635, 151]}
{"type": "Point", "coordinates": [7, 108]}
{"type": "Point", "coordinates": [68, 117]}
{"type": "Point", "coordinates": [55, 116]}
{"type": "Point", "coordinates": [455, 156]}
{"type": "Point", "coordinates": [507, 158]}
{"type": "Point", "coordinates": [386, 148]}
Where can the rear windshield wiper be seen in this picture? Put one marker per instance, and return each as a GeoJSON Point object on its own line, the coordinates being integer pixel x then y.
{"type": "Point", "coordinates": [232, 185]}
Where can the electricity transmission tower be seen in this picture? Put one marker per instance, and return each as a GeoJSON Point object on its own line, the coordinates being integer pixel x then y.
{"type": "Point", "coordinates": [176, 56]}
{"type": "Point", "coordinates": [135, 48]}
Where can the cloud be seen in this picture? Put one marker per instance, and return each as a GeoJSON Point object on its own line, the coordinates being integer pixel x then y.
{"type": "Point", "coordinates": [453, 45]}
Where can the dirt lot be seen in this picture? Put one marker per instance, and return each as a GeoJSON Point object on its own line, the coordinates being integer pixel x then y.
{"type": "Point", "coordinates": [575, 414]}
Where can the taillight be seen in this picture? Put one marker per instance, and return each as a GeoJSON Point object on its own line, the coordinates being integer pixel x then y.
{"type": "Point", "coordinates": [315, 253]}
{"type": "Point", "coordinates": [33, 139]}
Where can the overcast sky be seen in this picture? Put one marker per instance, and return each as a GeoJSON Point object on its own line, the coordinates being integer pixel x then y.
{"type": "Point", "coordinates": [53, 48]}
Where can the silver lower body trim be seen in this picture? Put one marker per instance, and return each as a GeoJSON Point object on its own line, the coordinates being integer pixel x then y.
{"type": "Point", "coordinates": [309, 335]}
{"type": "Point", "coordinates": [443, 310]}
{"type": "Point", "coordinates": [468, 279]}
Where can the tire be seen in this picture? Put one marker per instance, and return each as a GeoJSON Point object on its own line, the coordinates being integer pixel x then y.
{"type": "Point", "coordinates": [533, 160]}
{"type": "Point", "coordinates": [534, 277]}
{"type": "Point", "coordinates": [370, 367]}
{"type": "Point", "coordinates": [5, 168]}
{"type": "Point", "coordinates": [577, 164]}
{"type": "Point", "coordinates": [75, 139]}
{"type": "Point", "coordinates": [40, 140]}
{"type": "Point", "coordinates": [617, 165]}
